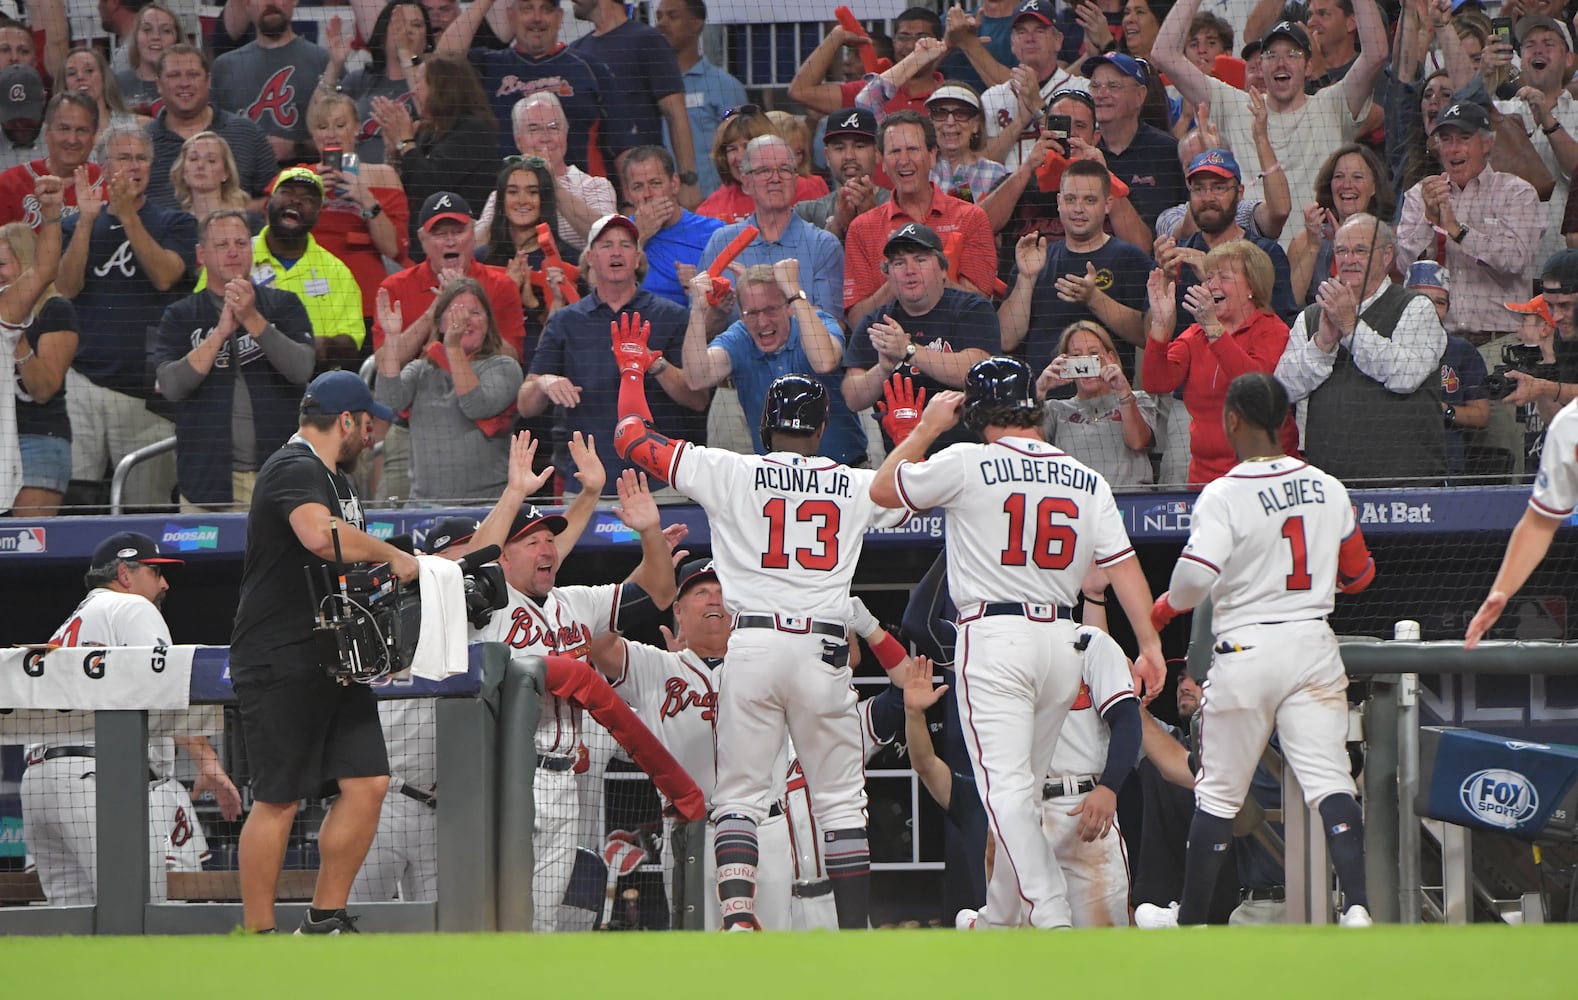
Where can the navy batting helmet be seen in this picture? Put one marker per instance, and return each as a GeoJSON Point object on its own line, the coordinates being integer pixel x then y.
{"type": "Point", "coordinates": [997, 385]}
{"type": "Point", "coordinates": [795, 403]}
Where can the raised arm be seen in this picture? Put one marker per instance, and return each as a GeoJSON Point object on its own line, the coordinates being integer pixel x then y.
{"type": "Point", "coordinates": [705, 366]}
{"type": "Point", "coordinates": [1167, 52]}
{"type": "Point", "coordinates": [914, 676]}
{"type": "Point", "coordinates": [19, 298]}
{"type": "Point", "coordinates": [810, 86]}
{"type": "Point", "coordinates": [456, 39]}
{"type": "Point", "coordinates": [1374, 50]}
{"type": "Point", "coordinates": [639, 512]}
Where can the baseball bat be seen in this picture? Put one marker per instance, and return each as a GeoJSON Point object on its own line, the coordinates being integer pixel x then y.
{"type": "Point", "coordinates": [868, 54]}
{"type": "Point", "coordinates": [720, 264]}
{"type": "Point", "coordinates": [551, 258]}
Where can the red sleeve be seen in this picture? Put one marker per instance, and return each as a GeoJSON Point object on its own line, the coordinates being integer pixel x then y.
{"type": "Point", "coordinates": [862, 275]}
{"type": "Point", "coordinates": [507, 309]}
{"type": "Point", "coordinates": [809, 188]}
{"type": "Point", "coordinates": [980, 251]}
{"type": "Point", "coordinates": [1164, 371]}
{"type": "Point", "coordinates": [580, 682]}
{"type": "Point", "coordinates": [399, 212]}
{"type": "Point", "coordinates": [1355, 565]}
{"type": "Point", "coordinates": [1268, 338]}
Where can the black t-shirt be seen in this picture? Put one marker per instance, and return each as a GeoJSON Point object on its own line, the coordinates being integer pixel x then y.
{"type": "Point", "coordinates": [49, 418]}
{"type": "Point", "coordinates": [1151, 169]}
{"type": "Point", "coordinates": [1122, 270]}
{"type": "Point", "coordinates": [277, 611]}
{"type": "Point", "coordinates": [959, 321]}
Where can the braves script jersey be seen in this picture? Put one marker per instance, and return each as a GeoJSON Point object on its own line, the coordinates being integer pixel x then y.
{"type": "Point", "coordinates": [17, 201]}
{"type": "Point", "coordinates": [110, 618]}
{"type": "Point", "coordinates": [786, 530]}
{"type": "Point", "coordinates": [1270, 531]}
{"type": "Point", "coordinates": [1556, 487]}
{"type": "Point", "coordinates": [271, 86]}
{"type": "Point", "coordinates": [563, 624]}
{"type": "Point", "coordinates": [1025, 519]}
{"type": "Point", "coordinates": [1104, 681]}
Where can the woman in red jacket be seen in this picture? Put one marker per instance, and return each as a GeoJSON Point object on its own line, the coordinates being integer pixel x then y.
{"type": "Point", "coordinates": [1234, 332]}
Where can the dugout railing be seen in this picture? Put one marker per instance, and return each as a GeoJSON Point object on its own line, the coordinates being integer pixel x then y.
{"type": "Point", "coordinates": [486, 761]}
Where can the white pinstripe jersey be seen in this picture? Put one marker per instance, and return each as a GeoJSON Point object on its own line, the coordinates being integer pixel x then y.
{"type": "Point", "coordinates": [1025, 519]}
{"type": "Point", "coordinates": [1104, 681]}
{"type": "Point", "coordinates": [1556, 487]}
{"type": "Point", "coordinates": [1271, 532]}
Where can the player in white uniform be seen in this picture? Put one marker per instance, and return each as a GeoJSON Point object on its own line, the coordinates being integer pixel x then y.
{"type": "Point", "coordinates": [1551, 503]}
{"type": "Point", "coordinates": [787, 530]}
{"type": "Point", "coordinates": [1025, 522]}
{"type": "Point", "coordinates": [59, 818]}
{"type": "Point", "coordinates": [543, 619]}
{"type": "Point", "coordinates": [1270, 542]}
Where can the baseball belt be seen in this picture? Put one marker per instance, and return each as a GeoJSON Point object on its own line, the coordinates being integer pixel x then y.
{"type": "Point", "coordinates": [1034, 612]}
{"type": "Point", "coordinates": [548, 763]}
{"type": "Point", "coordinates": [54, 753]}
{"type": "Point", "coordinates": [426, 798]}
{"type": "Point", "coordinates": [811, 890]}
{"type": "Point", "coordinates": [1271, 894]}
{"type": "Point", "coordinates": [788, 623]}
{"type": "Point", "coordinates": [1069, 784]}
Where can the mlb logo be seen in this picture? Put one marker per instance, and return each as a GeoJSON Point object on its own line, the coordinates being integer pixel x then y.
{"type": "Point", "coordinates": [20, 541]}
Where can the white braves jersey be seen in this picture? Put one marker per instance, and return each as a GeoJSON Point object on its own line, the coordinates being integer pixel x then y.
{"type": "Point", "coordinates": [565, 624]}
{"type": "Point", "coordinates": [786, 530]}
{"type": "Point", "coordinates": [676, 696]}
{"type": "Point", "coordinates": [411, 737]}
{"type": "Point", "coordinates": [1271, 532]}
{"type": "Point", "coordinates": [1025, 519]}
{"type": "Point", "coordinates": [1104, 681]}
{"type": "Point", "coordinates": [111, 618]}
{"type": "Point", "coordinates": [1556, 487]}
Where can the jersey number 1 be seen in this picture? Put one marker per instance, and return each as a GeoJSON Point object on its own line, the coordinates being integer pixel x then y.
{"type": "Point", "coordinates": [1293, 531]}
{"type": "Point", "coordinates": [822, 558]}
{"type": "Point", "coordinates": [1053, 546]}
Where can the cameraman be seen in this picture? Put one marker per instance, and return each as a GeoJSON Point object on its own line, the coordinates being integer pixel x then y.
{"type": "Point", "coordinates": [1539, 396]}
{"type": "Point", "coordinates": [303, 730]}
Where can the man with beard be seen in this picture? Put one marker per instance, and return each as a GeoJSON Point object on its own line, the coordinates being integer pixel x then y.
{"type": "Point", "coordinates": [271, 79]}
{"type": "Point", "coordinates": [69, 125]}
{"type": "Point", "coordinates": [125, 260]}
{"type": "Point", "coordinates": [184, 90]}
{"type": "Point", "coordinates": [850, 143]}
{"type": "Point", "coordinates": [1548, 111]}
{"type": "Point", "coordinates": [233, 359]}
{"type": "Point", "coordinates": [285, 256]}
{"type": "Point", "coordinates": [304, 730]}
{"type": "Point", "coordinates": [21, 115]}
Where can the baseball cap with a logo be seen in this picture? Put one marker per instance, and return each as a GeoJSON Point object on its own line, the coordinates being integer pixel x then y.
{"type": "Point", "coordinates": [1428, 274]}
{"type": "Point", "coordinates": [1220, 162]}
{"type": "Point", "coordinates": [529, 519]}
{"type": "Point", "coordinates": [613, 219]}
{"type": "Point", "coordinates": [852, 121]}
{"type": "Point", "coordinates": [1125, 64]}
{"type": "Point", "coordinates": [442, 205]}
{"type": "Point", "coordinates": [21, 95]}
{"type": "Point", "coordinates": [1041, 10]}
{"type": "Point", "coordinates": [913, 234]}
{"type": "Point", "coordinates": [297, 175]}
{"type": "Point", "coordinates": [1465, 116]}
{"type": "Point", "coordinates": [693, 572]}
{"type": "Point", "coordinates": [449, 531]}
{"type": "Point", "coordinates": [1292, 31]}
{"type": "Point", "coordinates": [130, 546]}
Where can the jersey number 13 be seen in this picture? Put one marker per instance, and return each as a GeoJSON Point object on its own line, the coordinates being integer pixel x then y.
{"type": "Point", "coordinates": [823, 556]}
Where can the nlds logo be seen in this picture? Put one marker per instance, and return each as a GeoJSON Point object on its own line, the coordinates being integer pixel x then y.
{"type": "Point", "coordinates": [1500, 798]}
{"type": "Point", "coordinates": [1174, 515]}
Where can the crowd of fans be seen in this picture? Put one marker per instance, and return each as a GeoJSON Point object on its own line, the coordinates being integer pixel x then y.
{"type": "Point", "coordinates": [1142, 200]}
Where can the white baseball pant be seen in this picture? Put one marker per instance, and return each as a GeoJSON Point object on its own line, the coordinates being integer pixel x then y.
{"type": "Point", "coordinates": [403, 859]}
{"type": "Point", "coordinates": [553, 844]}
{"type": "Point", "coordinates": [1097, 872]}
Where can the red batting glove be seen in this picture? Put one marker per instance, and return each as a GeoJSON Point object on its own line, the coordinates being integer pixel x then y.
{"type": "Point", "coordinates": [1163, 612]}
{"type": "Point", "coordinates": [630, 343]}
{"type": "Point", "coordinates": [900, 407]}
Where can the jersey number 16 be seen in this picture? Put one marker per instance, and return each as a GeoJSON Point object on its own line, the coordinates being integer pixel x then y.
{"type": "Point", "coordinates": [1053, 544]}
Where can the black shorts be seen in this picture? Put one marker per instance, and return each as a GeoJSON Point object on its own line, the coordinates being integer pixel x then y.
{"type": "Point", "coordinates": [304, 731]}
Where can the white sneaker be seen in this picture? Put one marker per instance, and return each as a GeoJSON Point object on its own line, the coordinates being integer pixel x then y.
{"type": "Point", "coordinates": [1355, 916]}
{"type": "Point", "coordinates": [967, 920]}
{"type": "Point", "coordinates": [1149, 916]}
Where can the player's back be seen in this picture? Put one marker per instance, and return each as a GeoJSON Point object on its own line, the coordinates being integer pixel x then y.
{"type": "Point", "coordinates": [1025, 519]}
{"type": "Point", "coordinates": [787, 530]}
{"type": "Point", "coordinates": [1273, 531]}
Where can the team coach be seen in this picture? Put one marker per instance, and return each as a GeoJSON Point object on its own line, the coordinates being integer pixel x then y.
{"type": "Point", "coordinates": [303, 729]}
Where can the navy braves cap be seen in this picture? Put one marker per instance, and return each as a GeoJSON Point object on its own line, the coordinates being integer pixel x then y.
{"type": "Point", "coordinates": [130, 546]}
{"type": "Point", "coordinates": [21, 95]}
{"type": "Point", "coordinates": [341, 391]}
{"type": "Point", "coordinates": [1464, 115]}
{"type": "Point", "coordinates": [1220, 162]}
{"type": "Point", "coordinates": [529, 519]}
{"type": "Point", "coordinates": [1041, 10]}
{"type": "Point", "coordinates": [441, 205]}
{"type": "Point", "coordinates": [852, 121]}
{"type": "Point", "coordinates": [694, 571]}
{"type": "Point", "coordinates": [1292, 31]}
{"type": "Point", "coordinates": [448, 532]}
{"type": "Point", "coordinates": [913, 234]}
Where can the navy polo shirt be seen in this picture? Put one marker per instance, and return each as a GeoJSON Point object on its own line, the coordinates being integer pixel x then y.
{"type": "Point", "coordinates": [753, 372]}
{"type": "Point", "coordinates": [681, 243]}
{"type": "Point", "coordinates": [959, 321]}
{"type": "Point", "coordinates": [1122, 270]}
{"type": "Point", "coordinates": [648, 72]}
{"type": "Point", "coordinates": [575, 343]}
{"type": "Point", "coordinates": [1151, 169]}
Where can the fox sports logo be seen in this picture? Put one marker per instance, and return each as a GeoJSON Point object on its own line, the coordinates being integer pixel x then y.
{"type": "Point", "coordinates": [1500, 798]}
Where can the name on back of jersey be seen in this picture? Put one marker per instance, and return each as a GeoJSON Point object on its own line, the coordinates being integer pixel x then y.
{"type": "Point", "coordinates": [794, 479]}
{"type": "Point", "coordinates": [1031, 470]}
{"type": "Point", "coordinates": [1290, 493]}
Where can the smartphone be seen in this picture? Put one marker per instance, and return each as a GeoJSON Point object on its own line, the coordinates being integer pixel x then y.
{"type": "Point", "coordinates": [1082, 366]}
{"type": "Point", "coordinates": [334, 157]}
{"type": "Point", "coordinates": [1502, 26]}
{"type": "Point", "coordinates": [348, 163]}
{"type": "Point", "coordinates": [1059, 127]}
{"type": "Point", "coordinates": [1114, 19]}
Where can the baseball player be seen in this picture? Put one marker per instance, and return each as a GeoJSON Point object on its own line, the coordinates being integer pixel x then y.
{"type": "Point", "coordinates": [1270, 542]}
{"type": "Point", "coordinates": [1025, 522]}
{"type": "Point", "coordinates": [787, 529]}
{"type": "Point", "coordinates": [542, 619]}
{"type": "Point", "coordinates": [59, 822]}
{"type": "Point", "coordinates": [1552, 501]}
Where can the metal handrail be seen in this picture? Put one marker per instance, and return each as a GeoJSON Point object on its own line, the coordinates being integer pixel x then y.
{"type": "Point", "coordinates": [124, 466]}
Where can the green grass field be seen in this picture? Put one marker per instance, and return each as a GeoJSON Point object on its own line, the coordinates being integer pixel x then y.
{"type": "Point", "coordinates": [1397, 963]}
